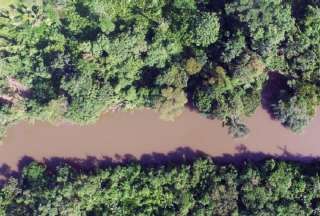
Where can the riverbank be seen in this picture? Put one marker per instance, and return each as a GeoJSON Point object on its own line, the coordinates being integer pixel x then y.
{"type": "Point", "coordinates": [142, 134]}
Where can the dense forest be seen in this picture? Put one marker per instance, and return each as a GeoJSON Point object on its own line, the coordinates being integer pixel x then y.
{"type": "Point", "coordinates": [199, 188]}
{"type": "Point", "coordinates": [72, 60]}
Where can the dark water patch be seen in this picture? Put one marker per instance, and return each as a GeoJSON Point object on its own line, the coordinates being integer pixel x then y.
{"type": "Point", "coordinates": [183, 155]}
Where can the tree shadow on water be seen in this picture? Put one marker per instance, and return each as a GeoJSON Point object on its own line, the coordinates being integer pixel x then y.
{"type": "Point", "coordinates": [182, 155]}
{"type": "Point", "coordinates": [243, 154]}
{"type": "Point", "coordinates": [275, 89]}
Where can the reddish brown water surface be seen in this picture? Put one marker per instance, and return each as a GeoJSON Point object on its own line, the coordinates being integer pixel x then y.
{"type": "Point", "coordinates": [142, 133]}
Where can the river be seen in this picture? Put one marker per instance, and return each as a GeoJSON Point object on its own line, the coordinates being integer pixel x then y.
{"type": "Point", "coordinates": [142, 133]}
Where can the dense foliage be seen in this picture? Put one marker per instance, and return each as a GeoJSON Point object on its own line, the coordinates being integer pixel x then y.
{"type": "Point", "coordinates": [73, 60]}
{"type": "Point", "coordinates": [201, 188]}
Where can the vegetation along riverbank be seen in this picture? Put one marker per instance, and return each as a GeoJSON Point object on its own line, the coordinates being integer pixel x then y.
{"type": "Point", "coordinates": [197, 188]}
{"type": "Point", "coordinates": [73, 60]}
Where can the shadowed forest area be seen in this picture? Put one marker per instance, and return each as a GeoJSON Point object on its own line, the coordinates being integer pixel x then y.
{"type": "Point", "coordinates": [73, 60]}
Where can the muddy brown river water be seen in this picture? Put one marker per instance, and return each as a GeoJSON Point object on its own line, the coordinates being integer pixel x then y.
{"type": "Point", "coordinates": [142, 132]}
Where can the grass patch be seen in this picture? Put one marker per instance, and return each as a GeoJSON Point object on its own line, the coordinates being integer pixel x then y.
{"type": "Point", "coordinates": [6, 3]}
